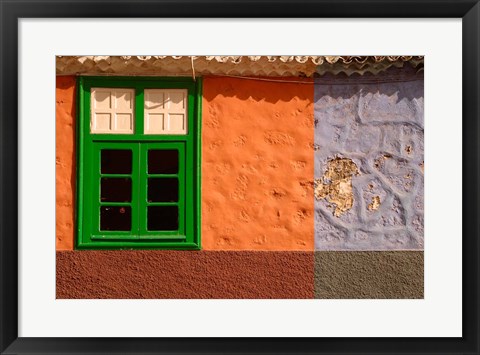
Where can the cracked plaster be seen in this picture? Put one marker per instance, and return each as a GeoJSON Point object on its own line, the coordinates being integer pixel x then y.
{"type": "Point", "coordinates": [378, 127]}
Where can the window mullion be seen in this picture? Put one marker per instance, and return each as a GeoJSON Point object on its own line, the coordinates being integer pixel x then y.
{"type": "Point", "coordinates": [139, 111]}
{"type": "Point", "coordinates": [140, 184]}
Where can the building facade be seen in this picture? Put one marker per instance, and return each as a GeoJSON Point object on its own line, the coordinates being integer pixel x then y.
{"type": "Point", "coordinates": [239, 177]}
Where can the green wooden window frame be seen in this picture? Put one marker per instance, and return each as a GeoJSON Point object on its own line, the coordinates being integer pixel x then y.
{"type": "Point", "coordinates": [90, 176]}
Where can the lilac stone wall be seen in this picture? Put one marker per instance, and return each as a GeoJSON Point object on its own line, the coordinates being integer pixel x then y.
{"type": "Point", "coordinates": [374, 126]}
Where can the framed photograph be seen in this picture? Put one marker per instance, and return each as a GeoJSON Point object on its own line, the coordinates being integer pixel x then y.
{"type": "Point", "coordinates": [201, 177]}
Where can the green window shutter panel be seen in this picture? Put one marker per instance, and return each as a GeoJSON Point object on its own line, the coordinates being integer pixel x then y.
{"type": "Point", "coordinates": [138, 187]}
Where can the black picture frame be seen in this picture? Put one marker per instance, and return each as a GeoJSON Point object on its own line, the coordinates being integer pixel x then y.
{"type": "Point", "coordinates": [11, 11]}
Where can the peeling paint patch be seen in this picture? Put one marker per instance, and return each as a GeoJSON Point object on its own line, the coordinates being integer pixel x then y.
{"type": "Point", "coordinates": [380, 127]}
{"type": "Point", "coordinates": [336, 184]}
{"type": "Point", "coordinates": [373, 206]}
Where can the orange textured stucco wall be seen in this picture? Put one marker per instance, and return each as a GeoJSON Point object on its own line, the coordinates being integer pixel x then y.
{"type": "Point", "coordinates": [65, 162]}
{"type": "Point", "coordinates": [257, 165]}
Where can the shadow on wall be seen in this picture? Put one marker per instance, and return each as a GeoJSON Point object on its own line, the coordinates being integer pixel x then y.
{"type": "Point", "coordinates": [271, 90]}
{"type": "Point", "coordinates": [65, 83]}
{"type": "Point", "coordinates": [396, 91]}
{"type": "Point", "coordinates": [397, 84]}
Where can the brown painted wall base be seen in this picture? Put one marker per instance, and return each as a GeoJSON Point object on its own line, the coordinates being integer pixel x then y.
{"type": "Point", "coordinates": [369, 274]}
{"type": "Point", "coordinates": [184, 274]}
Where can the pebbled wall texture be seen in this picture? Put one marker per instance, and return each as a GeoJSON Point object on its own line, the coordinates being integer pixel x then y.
{"type": "Point", "coordinates": [257, 166]}
{"type": "Point", "coordinates": [65, 162]}
{"type": "Point", "coordinates": [369, 162]}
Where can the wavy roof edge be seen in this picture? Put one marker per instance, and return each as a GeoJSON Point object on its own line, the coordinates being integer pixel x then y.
{"type": "Point", "coordinates": [230, 65]}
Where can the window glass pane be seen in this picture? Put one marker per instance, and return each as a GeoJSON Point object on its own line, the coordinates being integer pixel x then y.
{"type": "Point", "coordinates": [116, 161]}
{"type": "Point", "coordinates": [162, 190]}
{"type": "Point", "coordinates": [163, 161]}
{"type": "Point", "coordinates": [116, 190]}
{"type": "Point", "coordinates": [115, 218]}
{"type": "Point", "coordinates": [162, 218]}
